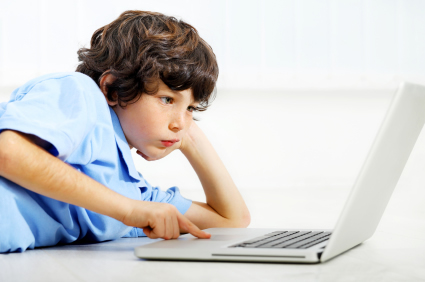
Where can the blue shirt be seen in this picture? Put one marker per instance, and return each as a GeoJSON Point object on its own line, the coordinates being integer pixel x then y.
{"type": "Point", "coordinates": [69, 111]}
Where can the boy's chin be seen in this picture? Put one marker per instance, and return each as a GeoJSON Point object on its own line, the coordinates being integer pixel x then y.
{"type": "Point", "coordinates": [151, 157]}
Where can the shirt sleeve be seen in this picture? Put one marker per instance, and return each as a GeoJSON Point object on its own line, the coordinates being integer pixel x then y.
{"type": "Point", "coordinates": [57, 110]}
{"type": "Point", "coordinates": [171, 196]}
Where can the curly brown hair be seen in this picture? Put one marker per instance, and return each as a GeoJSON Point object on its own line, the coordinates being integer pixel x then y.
{"type": "Point", "coordinates": [139, 47]}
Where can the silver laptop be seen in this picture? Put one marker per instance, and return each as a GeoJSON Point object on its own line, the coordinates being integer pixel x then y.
{"type": "Point", "coordinates": [357, 222]}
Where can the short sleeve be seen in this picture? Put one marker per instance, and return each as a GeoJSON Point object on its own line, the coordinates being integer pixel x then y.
{"type": "Point", "coordinates": [58, 110]}
{"type": "Point", "coordinates": [171, 196]}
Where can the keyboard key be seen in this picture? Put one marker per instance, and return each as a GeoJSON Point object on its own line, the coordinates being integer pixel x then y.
{"type": "Point", "coordinates": [268, 240]}
{"type": "Point", "coordinates": [286, 239]}
{"type": "Point", "coordinates": [275, 233]}
{"type": "Point", "coordinates": [283, 240]}
{"type": "Point", "coordinates": [294, 241]}
{"type": "Point", "coordinates": [255, 240]}
{"type": "Point", "coordinates": [315, 243]}
{"type": "Point", "coordinates": [314, 237]}
{"type": "Point", "coordinates": [265, 237]}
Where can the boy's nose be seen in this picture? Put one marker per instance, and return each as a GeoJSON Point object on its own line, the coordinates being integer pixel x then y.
{"type": "Point", "coordinates": [177, 123]}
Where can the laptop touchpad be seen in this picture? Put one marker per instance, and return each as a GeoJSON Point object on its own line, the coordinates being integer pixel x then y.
{"type": "Point", "coordinates": [224, 237]}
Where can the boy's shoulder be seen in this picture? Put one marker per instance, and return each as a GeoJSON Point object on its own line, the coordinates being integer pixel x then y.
{"type": "Point", "coordinates": [71, 78]}
{"type": "Point", "coordinates": [60, 83]}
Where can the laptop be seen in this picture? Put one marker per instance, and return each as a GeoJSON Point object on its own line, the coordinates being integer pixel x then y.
{"type": "Point", "coordinates": [357, 222]}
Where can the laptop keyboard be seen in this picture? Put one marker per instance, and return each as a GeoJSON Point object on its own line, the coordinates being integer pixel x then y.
{"type": "Point", "coordinates": [286, 239]}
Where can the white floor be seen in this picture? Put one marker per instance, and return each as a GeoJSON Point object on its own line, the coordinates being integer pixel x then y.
{"type": "Point", "coordinates": [294, 155]}
{"type": "Point", "coordinates": [396, 252]}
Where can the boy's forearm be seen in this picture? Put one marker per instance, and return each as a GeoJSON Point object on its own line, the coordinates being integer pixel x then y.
{"type": "Point", "coordinates": [221, 192]}
{"type": "Point", "coordinates": [31, 167]}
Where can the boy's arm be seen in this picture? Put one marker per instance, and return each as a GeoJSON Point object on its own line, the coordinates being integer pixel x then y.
{"type": "Point", "coordinates": [225, 206]}
{"type": "Point", "coordinates": [23, 161]}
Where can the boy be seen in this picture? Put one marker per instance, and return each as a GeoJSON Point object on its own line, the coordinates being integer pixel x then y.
{"type": "Point", "coordinates": [66, 172]}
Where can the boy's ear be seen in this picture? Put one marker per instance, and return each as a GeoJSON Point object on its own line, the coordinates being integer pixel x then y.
{"type": "Point", "coordinates": [106, 80]}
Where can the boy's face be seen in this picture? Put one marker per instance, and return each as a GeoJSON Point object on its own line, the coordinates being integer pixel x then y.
{"type": "Point", "coordinates": [156, 124]}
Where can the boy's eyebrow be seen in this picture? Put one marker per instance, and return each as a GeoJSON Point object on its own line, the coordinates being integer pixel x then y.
{"type": "Point", "coordinates": [172, 91]}
{"type": "Point", "coordinates": [176, 92]}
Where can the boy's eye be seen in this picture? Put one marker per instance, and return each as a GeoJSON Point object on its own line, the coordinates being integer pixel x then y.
{"type": "Point", "coordinates": [167, 100]}
{"type": "Point", "coordinates": [191, 109]}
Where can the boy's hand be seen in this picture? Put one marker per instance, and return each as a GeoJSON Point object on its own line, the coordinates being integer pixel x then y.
{"type": "Point", "coordinates": [161, 220]}
{"type": "Point", "coordinates": [193, 133]}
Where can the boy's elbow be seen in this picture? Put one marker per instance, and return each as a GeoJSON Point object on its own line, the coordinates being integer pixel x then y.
{"type": "Point", "coordinates": [246, 220]}
{"type": "Point", "coordinates": [243, 221]}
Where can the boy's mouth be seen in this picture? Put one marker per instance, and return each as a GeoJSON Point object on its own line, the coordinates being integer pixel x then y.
{"type": "Point", "coordinates": [169, 143]}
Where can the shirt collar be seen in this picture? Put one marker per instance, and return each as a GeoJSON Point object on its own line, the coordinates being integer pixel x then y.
{"type": "Point", "coordinates": [123, 146]}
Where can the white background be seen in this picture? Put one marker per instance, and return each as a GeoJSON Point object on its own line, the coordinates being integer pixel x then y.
{"type": "Point", "coordinates": [275, 44]}
{"type": "Point", "coordinates": [303, 84]}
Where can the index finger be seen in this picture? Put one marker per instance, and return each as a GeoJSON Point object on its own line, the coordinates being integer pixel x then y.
{"type": "Point", "coordinates": [191, 228]}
